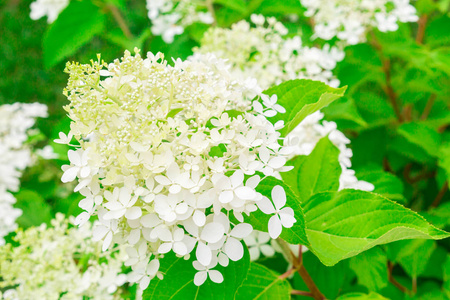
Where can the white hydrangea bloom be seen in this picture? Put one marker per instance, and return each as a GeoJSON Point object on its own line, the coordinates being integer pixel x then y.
{"type": "Point", "coordinates": [167, 155]}
{"type": "Point", "coordinates": [170, 17]}
{"type": "Point", "coordinates": [49, 8]}
{"type": "Point", "coordinates": [15, 121]}
{"type": "Point", "coordinates": [59, 262]}
{"type": "Point", "coordinates": [261, 50]}
{"type": "Point", "coordinates": [349, 20]}
{"type": "Point", "coordinates": [271, 58]}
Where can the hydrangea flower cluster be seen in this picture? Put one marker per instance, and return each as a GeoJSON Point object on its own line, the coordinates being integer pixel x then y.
{"type": "Point", "coordinates": [349, 20]}
{"type": "Point", "coordinates": [59, 262]}
{"type": "Point", "coordinates": [168, 154]}
{"type": "Point", "coordinates": [271, 58]}
{"type": "Point", "coordinates": [170, 17]}
{"type": "Point", "coordinates": [49, 8]}
{"type": "Point", "coordinates": [268, 55]}
{"type": "Point", "coordinates": [15, 121]}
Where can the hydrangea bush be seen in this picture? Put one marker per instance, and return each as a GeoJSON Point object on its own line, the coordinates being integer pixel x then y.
{"type": "Point", "coordinates": [350, 21]}
{"type": "Point", "coordinates": [15, 155]}
{"type": "Point", "coordinates": [276, 150]}
{"type": "Point", "coordinates": [59, 262]}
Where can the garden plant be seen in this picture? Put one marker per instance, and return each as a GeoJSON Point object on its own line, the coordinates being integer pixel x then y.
{"type": "Point", "coordinates": [225, 149]}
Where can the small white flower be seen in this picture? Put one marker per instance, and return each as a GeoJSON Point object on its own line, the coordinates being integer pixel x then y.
{"type": "Point", "coordinates": [205, 272]}
{"type": "Point", "coordinates": [283, 217]}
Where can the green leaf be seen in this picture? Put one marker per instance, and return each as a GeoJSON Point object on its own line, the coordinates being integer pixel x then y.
{"type": "Point", "coordinates": [263, 283]}
{"type": "Point", "coordinates": [344, 109]}
{"type": "Point", "coordinates": [238, 5]}
{"type": "Point", "coordinates": [35, 210]}
{"type": "Point", "coordinates": [75, 26]}
{"type": "Point", "coordinates": [178, 282]}
{"type": "Point", "coordinates": [317, 172]}
{"type": "Point", "coordinates": [361, 296]}
{"type": "Point", "coordinates": [371, 268]}
{"type": "Point", "coordinates": [118, 37]}
{"type": "Point", "coordinates": [422, 136]}
{"type": "Point", "coordinates": [412, 255]}
{"type": "Point", "coordinates": [446, 286]}
{"type": "Point", "coordinates": [343, 224]}
{"type": "Point", "coordinates": [444, 159]}
{"type": "Point", "coordinates": [294, 235]}
{"type": "Point", "coordinates": [330, 280]}
{"type": "Point", "coordinates": [300, 98]}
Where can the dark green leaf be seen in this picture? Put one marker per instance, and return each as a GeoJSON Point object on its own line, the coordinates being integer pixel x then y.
{"type": "Point", "coordinates": [371, 268]}
{"type": "Point", "coordinates": [75, 26]}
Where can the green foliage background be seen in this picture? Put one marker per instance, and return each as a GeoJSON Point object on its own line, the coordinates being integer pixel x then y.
{"type": "Point", "coordinates": [395, 110]}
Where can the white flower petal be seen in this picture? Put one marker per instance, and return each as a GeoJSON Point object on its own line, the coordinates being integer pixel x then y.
{"type": "Point", "coordinates": [266, 206]}
{"type": "Point", "coordinates": [212, 232]}
{"type": "Point", "coordinates": [215, 276]}
{"type": "Point", "coordinates": [279, 197]}
{"type": "Point", "coordinates": [203, 254]}
{"type": "Point", "coordinates": [274, 227]}
{"type": "Point", "coordinates": [234, 249]}
{"type": "Point", "coordinates": [241, 230]}
{"type": "Point", "coordinates": [200, 278]}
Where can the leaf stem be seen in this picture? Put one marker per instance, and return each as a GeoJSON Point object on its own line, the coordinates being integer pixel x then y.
{"type": "Point", "coordinates": [428, 107]}
{"type": "Point", "coordinates": [210, 7]}
{"type": "Point", "coordinates": [421, 30]}
{"type": "Point", "coordinates": [301, 293]}
{"type": "Point", "coordinates": [297, 263]}
{"type": "Point", "coordinates": [386, 66]}
{"type": "Point", "coordinates": [394, 281]}
{"type": "Point", "coordinates": [120, 21]}
{"type": "Point", "coordinates": [440, 195]}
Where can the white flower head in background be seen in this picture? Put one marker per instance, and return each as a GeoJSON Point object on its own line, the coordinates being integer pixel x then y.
{"type": "Point", "coordinates": [49, 8]}
{"type": "Point", "coordinates": [308, 133]}
{"type": "Point", "coordinates": [164, 164]}
{"type": "Point", "coordinates": [350, 20]}
{"type": "Point", "coordinates": [15, 155]}
{"type": "Point", "coordinates": [60, 259]}
{"type": "Point", "coordinates": [268, 54]}
{"type": "Point", "coordinates": [170, 17]}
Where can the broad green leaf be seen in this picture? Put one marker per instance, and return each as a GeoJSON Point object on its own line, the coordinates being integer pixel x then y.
{"type": "Point", "coordinates": [238, 5]}
{"type": "Point", "coordinates": [75, 26]}
{"type": "Point", "coordinates": [444, 159]}
{"type": "Point", "coordinates": [300, 98]}
{"type": "Point", "coordinates": [263, 283]}
{"type": "Point", "coordinates": [434, 267]}
{"type": "Point", "coordinates": [117, 37]}
{"type": "Point", "coordinates": [361, 296]}
{"type": "Point", "coordinates": [446, 286]}
{"type": "Point", "coordinates": [330, 280]}
{"type": "Point", "coordinates": [317, 172]}
{"type": "Point", "coordinates": [178, 282]}
{"type": "Point", "coordinates": [344, 109]}
{"type": "Point", "coordinates": [422, 136]}
{"type": "Point", "coordinates": [412, 255]}
{"type": "Point", "coordinates": [371, 268]}
{"type": "Point", "coordinates": [260, 221]}
{"type": "Point", "coordinates": [35, 210]}
{"type": "Point", "coordinates": [343, 224]}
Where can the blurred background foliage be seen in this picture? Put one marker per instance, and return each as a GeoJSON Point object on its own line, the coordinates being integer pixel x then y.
{"type": "Point", "coordinates": [396, 112]}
